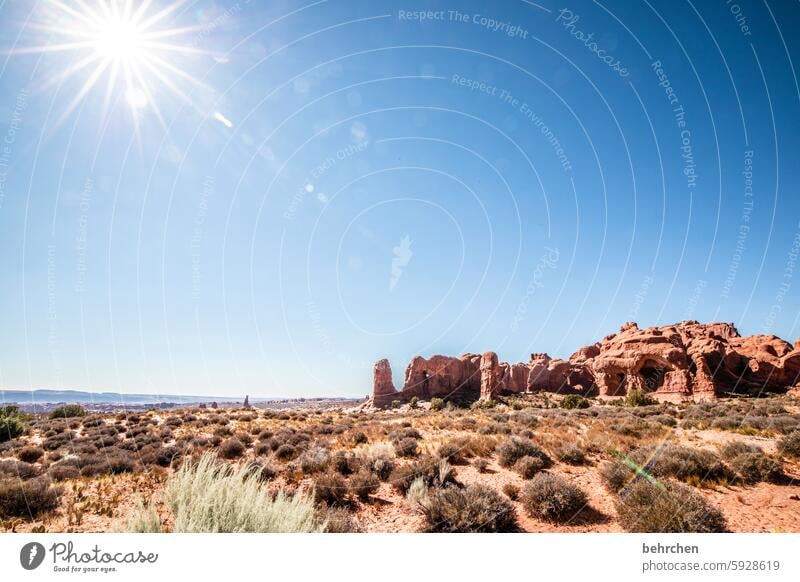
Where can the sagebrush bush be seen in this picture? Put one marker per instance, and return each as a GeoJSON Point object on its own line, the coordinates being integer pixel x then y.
{"type": "Point", "coordinates": [570, 453]}
{"type": "Point", "coordinates": [27, 499]}
{"type": "Point", "coordinates": [513, 449]}
{"type": "Point", "coordinates": [482, 465]}
{"type": "Point", "coordinates": [68, 411]}
{"type": "Point", "coordinates": [406, 447]}
{"type": "Point", "coordinates": [529, 466]}
{"type": "Point", "coordinates": [552, 498]}
{"type": "Point", "coordinates": [17, 469]}
{"type": "Point", "coordinates": [667, 508]}
{"type": "Point", "coordinates": [379, 459]}
{"type": "Point", "coordinates": [437, 404]}
{"type": "Point", "coordinates": [694, 466]}
{"type": "Point", "coordinates": [790, 445]}
{"type": "Point", "coordinates": [753, 468]}
{"type": "Point", "coordinates": [315, 460]}
{"type": "Point", "coordinates": [331, 489]}
{"type": "Point", "coordinates": [338, 520]}
{"type": "Point", "coordinates": [63, 472]}
{"type": "Point", "coordinates": [433, 472]}
{"type": "Point", "coordinates": [511, 491]}
{"type": "Point", "coordinates": [476, 508]}
{"type": "Point", "coordinates": [363, 484]}
{"type": "Point", "coordinates": [209, 496]}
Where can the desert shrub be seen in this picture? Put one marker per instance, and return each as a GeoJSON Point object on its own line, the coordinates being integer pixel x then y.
{"type": "Point", "coordinates": [405, 433]}
{"type": "Point", "coordinates": [262, 449]}
{"type": "Point", "coordinates": [552, 498]}
{"type": "Point", "coordinates": [511, 490]}
{"type": "Point", "coordinates": [379, 459]}
{"type": "Point", "coordinates": [417, 492]}
{"type": "Point", "coordinates": [570, 453]}
{"type": "Point", "coordinates": [482, 465]}
{"type": "Point", "coordinates": [68, 411]}
{"type": "Point", "coordinates": [17, 469]}
{"type": "Point", "coordinates": [208, 496]}
{"type": "Point", "coordinates": [694, 466]}
{"type": "Point", "coordinates": [396, 404]}
{"type": "Point", "coordinates": [571, 401]}
{"type": "Point", "coordinates": [62, 472]}
{"type": "Point", "coordinates": [406, 447]}
{"type": "Point", "coordinates": [231, 449]}
{"type": "Point", "coordinates": [476, 508]}
{"type": "Point", "coordinates": [166, 456]}
{"type": "Point", "coordinates": [637, 397]}
{"type": "Point", "coordinates": [315, 460]}
{"type": "Point", "coordinates": [331, 489]}
{"type": "Point", "coordinates": [345, 463]}
{"type": "Point", "coordinates": [756, 467]}
{"type": "Point", "coordinates": [414, 402]}
{"type": "Point", "coordinates": [452, 451]}
{"type": "Point", "coordinates": [667, 508]}
{"type": "Point", "coordinates": [285, 452]}
{"type": "Point", "coordinates": [358, 438]}
{"type": "Point", "coordinates": [27, 498]}
{"type": "Point", "coordinates": [30, 454]}
{"type": "Point", "coordinates": [108, 464]}
{"type": "Point", "coordinates": [529, 466]}
{"type": "Point", "coordinates": [437, 404]}
{"type": "Point", "coordinates": [338, 520]}
{"type": "Point", "coordinates": [513, 449]}
{"type": "Point", "coordinates": [790, 445]}
{"type": "Point", "coordinates": [363, 484]}
{"type": "Point", "coordinates": [435, 473]}
{"type": "Point", "coordinates": [733, 449]}
{"type": "Point", "coordinates": [527, 418]}
{"type": "Point", "coordinates": [12, 423]}
{"type": "Point", "coordinates": [264, 470]}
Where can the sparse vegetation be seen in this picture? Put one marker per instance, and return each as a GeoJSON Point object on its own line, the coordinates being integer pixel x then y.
{"type": "Point", "coordinates": [513, 449]}
{"type": "Point", "coordinates": [552, 498]}
{"type": "Point", "coordinates": [68, 411]}
{"type": "Point", "coordinates": [476, 508]}
{"type": "Point", "coordinates": [667, 508]}
{"type": "Point", "coordinates": [571, 401]}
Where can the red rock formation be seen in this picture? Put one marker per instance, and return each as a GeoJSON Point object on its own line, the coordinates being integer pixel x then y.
{"type": "Point", "coordinates": [688, 360]}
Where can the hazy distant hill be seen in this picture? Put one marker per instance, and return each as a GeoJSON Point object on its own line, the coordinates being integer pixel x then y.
{"type": "Point", "coordinates": [54, 396]}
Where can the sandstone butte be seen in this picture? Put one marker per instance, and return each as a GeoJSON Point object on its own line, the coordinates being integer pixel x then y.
{"type": "Point", "coordinates": [684, 361]}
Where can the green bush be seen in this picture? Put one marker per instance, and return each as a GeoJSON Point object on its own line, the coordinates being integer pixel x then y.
{"type": "Point", "coordinates": [474, 509]}
{"type": "Point", "coordinates": [12, 423]}
{"type": "Point", "coordinates": [210, 497]}
{"type": "Point", "coordinates": [667, 508]}
{"type": "Point", "coordinates": [637, 397]}
{"type": "Point", "coordinates": [68, 411]}
{"type": "Point", "coordinates": [437, 404]}
{"type": "Point", "coordinates": [571, 401]}
{"type": "Point", "coordinates": [512, 450]}
{"type": "Point", "coordinates": [552, 498]}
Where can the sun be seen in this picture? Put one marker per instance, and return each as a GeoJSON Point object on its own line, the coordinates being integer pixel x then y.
{"type": "Point", "coordinates": [124, 44]}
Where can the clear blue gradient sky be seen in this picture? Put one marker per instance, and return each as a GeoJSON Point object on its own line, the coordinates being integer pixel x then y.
{"type": "Point", "coordinates": [354, 180]}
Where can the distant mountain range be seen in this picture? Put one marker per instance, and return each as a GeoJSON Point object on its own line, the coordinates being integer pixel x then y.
{"type": "Point", "coordinates": [46, 396]}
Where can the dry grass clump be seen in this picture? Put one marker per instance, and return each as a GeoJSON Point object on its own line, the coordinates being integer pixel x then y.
{"type": "Point", "coordinates": [433, 472]}
{"type": "Point", "coordinates": [667, 508]}
{"type": "Point", "coordinates": [315, 460]}
{"type": "Point", "coordinates": [473, 509]}
{"type": "Point", "coordinates": [210, 496]}
{"type": "Point", "coordinates": [511, 490]}
{"type": "Point", "coordinates": [406, 447]}
{"type": "Point", "coordinates": [552, 498]}
{"type": "Point", "coordinates": [378, 459]}
{"type": "Point", "coordinates": [513, 449]}
{"type": "Point", "coordinates": [363, 484]}
{"type": "Point", "coordinates": [27, 499]}
{"type": "Point", "coordinates": [570, 453]}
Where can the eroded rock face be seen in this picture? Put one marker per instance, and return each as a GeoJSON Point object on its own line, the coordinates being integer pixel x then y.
{"type": "Point", "coordinates": [688, 360]}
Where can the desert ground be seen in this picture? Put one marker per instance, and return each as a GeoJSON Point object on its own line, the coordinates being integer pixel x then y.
{"type": "Point", "coordinates": [528, 462]}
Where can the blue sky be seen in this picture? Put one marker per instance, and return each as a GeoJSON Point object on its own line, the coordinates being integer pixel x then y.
{"type": "Point", "coordinates": [354, 180]}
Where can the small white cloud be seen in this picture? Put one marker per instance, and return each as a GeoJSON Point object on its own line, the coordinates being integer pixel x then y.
{"type": "Point", "coordinates": [309, 187]}
{"type": "Point", "coordinates": [223, 120]}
